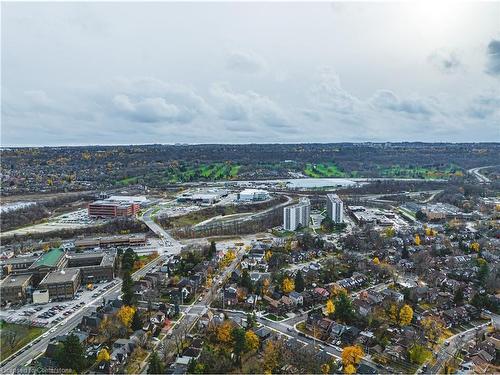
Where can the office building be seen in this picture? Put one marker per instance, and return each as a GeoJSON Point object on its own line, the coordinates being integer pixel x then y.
{"type": "Point", "coordinates": [335, 208]}
{"type": "Point", "coordinates": [15, 288]}
{"type": "Point", "coordinates": [61, 284]}
{"type": "Point", "coordinates": [251, 195]}
{"type": "Point", "coordinates": [94, 267]}
{"type": "Point", "coordinates": [297, 215]}
{"type": "Point", "coordinates": [109, 208]}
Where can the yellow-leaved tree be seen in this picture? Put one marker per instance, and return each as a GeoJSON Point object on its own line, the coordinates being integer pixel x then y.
{"type": "Point", "coordinates": [376, 260]}
{"type": "Point", "coordinates": [325, 368]}
{"type": "Point", "coordinates": [405, 315]}
{"type": "Point", "coordinates": [351, 355]}
{"type": "Point", "coordinates": [126, 314]}
{"type": "Point", "coordinates": [417, 240]}
{"type": "Point", "coordinates": [251, 340]}
{"type": "Point", "coordinates": [330, 307]}
{"type": "Point", "coordinates": [349, 369]}
{"type": "Point", "coordinates": [474, 246]}
{"type": "Point", "coordinates": [103, 355]}
{"type": "Point", "coordinates": [224, 332]}
{"type": "Point", "coordinates": [265, 286]}
{"type": "Point", "coordinates": [268, 255]}
{"type": "Point", "coordinates": [287, 285]}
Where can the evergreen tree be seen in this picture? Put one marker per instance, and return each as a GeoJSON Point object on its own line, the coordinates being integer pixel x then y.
{"type": "Point", "coordinates": [128, 289]}
{"type": "Point", "coordinates": [71, 354]}
{"type": "Point", "coordinates": [299, 282]}
{"type": "Point", "coordinates": [343, 307]}
{"type": "Point", "coordinates": [405, 254]}
{"type": "Point", "coordinates": [213, 249]}
{"type": "Point", "coordinates": [458, 298]}
{"type": "Point", "coordinates": [155, 365]}
{"type": "Point", "coordinates": [246, 281]}
{"type": "Point", "coordinates": [136, 321]}
{"type": "Point", "coordinates": [239, 343]}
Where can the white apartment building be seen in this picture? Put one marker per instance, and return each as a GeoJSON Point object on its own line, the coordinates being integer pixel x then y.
{"type": "Point", "coordinates": [296, 215]}
{"type": "Point", "coordinates": [335, 208]}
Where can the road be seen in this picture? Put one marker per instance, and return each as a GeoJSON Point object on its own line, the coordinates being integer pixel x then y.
{"type": "Point", "coordinates": [36, 347]}
{"type": "Point", "coordinates": [481, 178]}
{"type": "Point", "coordinates": [456, 342]}
{"type": "Point", "coordinates": [168, 240]}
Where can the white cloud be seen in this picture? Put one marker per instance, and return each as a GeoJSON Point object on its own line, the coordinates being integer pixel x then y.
{"type": "Point", "coordinates": [245, 62]}
{"type": "Point", "coordinates": [445, 61]}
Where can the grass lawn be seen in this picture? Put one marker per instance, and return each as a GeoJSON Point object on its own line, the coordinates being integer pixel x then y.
{"type": "Point", "coordinates": [274, 317]}
{"type": "Point", "coordinates": [323, 170]}
{"type": "Point", "coordinates": [14, 336]}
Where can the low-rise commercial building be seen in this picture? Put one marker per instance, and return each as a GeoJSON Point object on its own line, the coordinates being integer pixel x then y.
{"type": "Point", "coordinates": [61, 284]}
{"type": "Point", "coordinates": [111, 241]}
{"type": "Point", "coordinates": [252, 195]}
{"type": "Point", "coordinates": [94, 267]}
{"type": "Point", "coordinates": [15, 288]}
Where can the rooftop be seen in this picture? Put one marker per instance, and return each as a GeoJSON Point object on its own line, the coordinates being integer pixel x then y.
{"type": "Point", "coordinates": [49, 259]}
{"type": "Point", "coordinates": [61, 276]}
{"type": "Point", "coordinates": [14, 280]}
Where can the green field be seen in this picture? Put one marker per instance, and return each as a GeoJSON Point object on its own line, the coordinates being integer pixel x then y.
{"type": "Point", "coordinates": [398, 171]}
{"type": "Point", "coordinates": [187, 173]}
{"type": "Point", "coordinates": [323, 170]}
{"type": "Point", "coordinates": [14, 336]}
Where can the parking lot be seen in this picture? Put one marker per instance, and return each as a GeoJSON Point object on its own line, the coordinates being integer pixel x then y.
{"type": "Point", "coordinates": [54, 312]}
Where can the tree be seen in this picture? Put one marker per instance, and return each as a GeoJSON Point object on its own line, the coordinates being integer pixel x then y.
{"type": "Point", "coordinates": [251, 340]}
{"type": "Point", "coordinates": [343, 307]}
{"type": "Point", "coordinates": [389, 232]}
{"type": "Point", "coordinates": [268, 255]}
{"type": "Point", "coordinates": [349, 369]}
{"type": "Point", "coordinates": [271, 356]}
{"type": "Point", "coordinates": [405, 315]}
{"type": "Point", "coordinates": [126, 315]}
{"type": "Point", "coordinates": [325, 368]}
{"type": "Point", "coordinates": [404, 253]}
{"type": "Point", "coordinates": [155, 366]}
{"type": "Point", "coordinates": [351, 355]}
{"type": "Point", "coordinates": [419, 354]}
{"type": "Point", "coordinates": [458, 298]}
{"type": "Point", "coordinates": [239, 343]}
{"type": "Point", "coordinates": [136, 321]}
{"type": "Point", "coordinates": [475, 246]}
{"type": "Point", "coordinates": [483, 272]}
{"type": "Point", "coordinates": [212, 250]}
{"type": "Point", "coordinates": [246, 281]}
{"type": "Point", "coordinates": [433, 328]}
{"type": "Point", "coordinates": [71, 354]}
{"type": "Point", "coordinates": [127, 289]}
{"type": "Point", "coordinates": [265, 286]}
{"type": "Point", "coordinates": [376, 261]}
{"type": "Point", "coordinates": [224, 332]}
{"type": "Point", "coordinates": [417, 240]}
{"type": "Point", "coordinates": [330, 307]}
{"type": "Point", "coordinates": [251, 320]}
{"type": "Point", "coordinates": [103, 355]}
{"type": "Point", "coordinates": [299, 282]}
{"type": "Point", "coordinates": [287, 285]}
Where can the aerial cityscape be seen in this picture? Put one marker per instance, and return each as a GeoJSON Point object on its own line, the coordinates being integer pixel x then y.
{"type": "Point", "coordinates": [188, 188]}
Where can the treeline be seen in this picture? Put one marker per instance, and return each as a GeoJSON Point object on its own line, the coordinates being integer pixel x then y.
{"type": "Point", "coordinates": [38, 211]}
{"type": "Point", "coordinates": [117, 226]}
{"type": "Point", "coordinates": [260, 224]}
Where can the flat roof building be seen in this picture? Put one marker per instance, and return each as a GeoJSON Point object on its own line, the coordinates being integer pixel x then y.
{"type": "Point", "coordinates": [15, 288]}
{"type": "Point", "coordinates": [61, 284]}
{"type": "Point", "coordinates": [249, 195]}
{"type": "Point", "coordinates": [94, 267]}
{"type": "Point", "coordinates": [335, 208]}
{"type": "Point", "coordinates": [297, 215]}
{"type": "Point", "coordinates": [110, 241]}
{"type": "Point", "coordinates": [109, 208]}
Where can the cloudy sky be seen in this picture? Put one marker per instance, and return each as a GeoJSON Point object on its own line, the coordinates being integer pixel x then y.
{"type": "Point", "coordinates": [121, 73]}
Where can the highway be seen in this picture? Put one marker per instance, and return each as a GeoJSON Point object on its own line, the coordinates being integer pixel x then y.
{"type": "Point", "coordinates": [481, 178]}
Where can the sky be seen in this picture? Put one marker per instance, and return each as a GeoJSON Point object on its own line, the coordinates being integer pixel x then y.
{"type": "Point", "coordinates": [160, 72]}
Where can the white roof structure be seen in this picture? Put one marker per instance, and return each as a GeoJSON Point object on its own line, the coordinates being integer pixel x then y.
{"type": "Point", "coordinates": [128, 199]}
